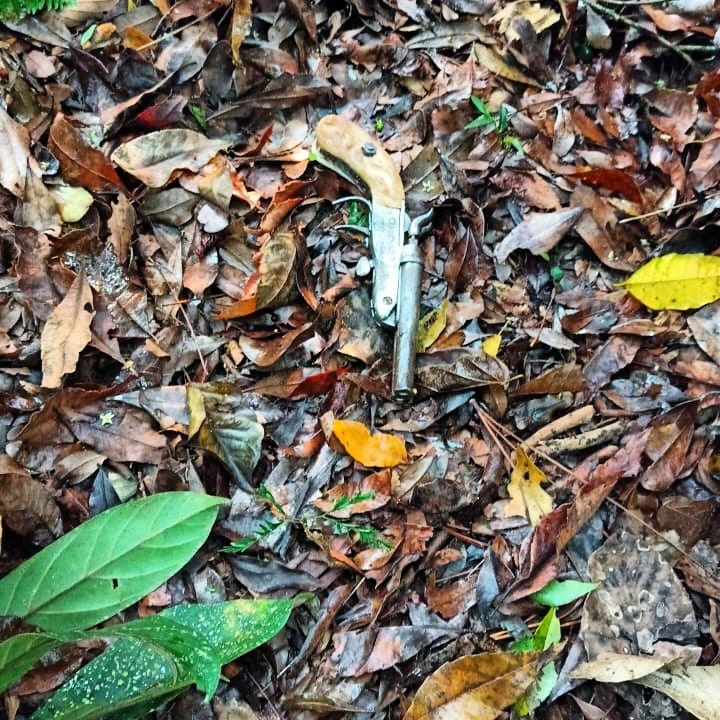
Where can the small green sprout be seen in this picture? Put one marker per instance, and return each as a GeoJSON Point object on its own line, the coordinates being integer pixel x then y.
{"type": "Point", "coordinates": [199, 115]}
{"type": "Point", "coordinates": [500, 121]}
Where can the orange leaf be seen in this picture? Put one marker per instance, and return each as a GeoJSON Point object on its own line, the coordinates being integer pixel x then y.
{"type": "Point", "coordinates": [378, 450]}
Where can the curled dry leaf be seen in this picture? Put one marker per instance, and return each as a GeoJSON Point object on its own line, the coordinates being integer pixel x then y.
{"type": "Point", "coordinates": [459, 369]}
{"type": "Point", "coordinates": [371, 450]}
{"type": "Point", "coordinates": [476, 687]}
{"type": "Point", "coordinates": [81, 164]}
{"type": "Point", "coordinates": [25, 504]}
{"type": "Point", "coordinates": [66, 333]}
{"type": "Point", "coordinates": [273, 284]}
{"type": "Point", "coordinates": [539, 233]}
{"type": "Point", "coordinates": [154, 157]}
{"type": "Point", "coordinates": [15, 141]}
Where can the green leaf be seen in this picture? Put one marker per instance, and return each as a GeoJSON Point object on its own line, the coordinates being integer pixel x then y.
{"type": "Point", "coordinates": [562, 592]}
{"type": "Point", "coordinates": [510, 141]}
{"type": "Point", "coordinates": [481, 121]}
{"type": "Point", "coordinates": [546, 634]}
{"type": "Point", "coordinates": [197, 661]}
{"type": "Point", "coordinates": [235, 627]}
{"type": "Point", "coordinates": [502, 120]}
{"type": "Point", "coordinates": [145, 667]}
{"type": "Point", "coordinates": [548, 631]}
{"type": "Point", "coordinates": [108, 562]}
{"type": "Point", "coordinates": [480, 106]}
{"type": "Point", "coordinates": [16, 9]}
{"type": "Point", "coordinates": [538, 692]}
{"type": "Point", "coordinates": [131, 675]}
{"type": "Point", "coordinates": [19, 653]}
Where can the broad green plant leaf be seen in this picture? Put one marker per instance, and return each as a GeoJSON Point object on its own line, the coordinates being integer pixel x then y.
{"type": "Point", "coordinates": [562, 592]}
{"type": "Point", "coordinates": [19, 653]}
{"type": "Point", "coordinates": [108, 562]}
{"type": "Point", "coordinates": [151, 662]}
{"type": "Point", "coordinates": [676, 281]}
{"type": "Point", "coordinates": [132, 676]}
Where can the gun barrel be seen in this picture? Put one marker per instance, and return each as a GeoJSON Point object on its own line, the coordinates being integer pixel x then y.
{"type": "Point", "coordinates": [408, 314]}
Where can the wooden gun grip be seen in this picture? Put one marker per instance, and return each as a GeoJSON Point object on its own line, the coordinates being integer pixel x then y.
{"type": "Point", "coordinates": [364, 156]}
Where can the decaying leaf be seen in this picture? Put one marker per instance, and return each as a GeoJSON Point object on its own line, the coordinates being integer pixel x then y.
{"type": "Point", "coordinates": [705, 327]}
{"type": "Point", "coordinates": [527, 496]}
{"type": "Point", "coordinates": [15, 141]}
{"type": "Point", "coordinates": [540, 17]}
{"type": "Point", "coordinates": [476, 687]}
{"type": "Point", "coordinates": [66, 332]}
{"type": "Point", "coordinates": [81, 164]}
{"type": "Point", "coordinates": [694, 688]}
{"type": "Point", "coordinates": [697, 689]}
{"type": "Point", "coordinates": [273, 284]}
{"type": "Point", "coordinates": [490, 59]}
{"type": "Point", "coordinates": [26, 506]}
{"type": "Point", "coordinates": [451, 370]}
{"type": "Point", "coordinates": [539, 233]}
{"type": "Point", "coordinates": [154, 157]}
{"type": "Point", "coordinates": [226, 427]}
{"type": "Point", "coordinates": [640, 599]}
{"type": "Point", "coordinates": [676, 281]}
{"type": "Point", "coordinates": [372, 450]}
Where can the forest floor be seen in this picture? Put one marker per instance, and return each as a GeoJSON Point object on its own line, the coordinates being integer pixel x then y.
{"type": "Point", "coordinates": [180, 308]}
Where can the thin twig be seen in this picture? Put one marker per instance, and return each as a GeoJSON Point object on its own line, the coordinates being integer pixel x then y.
{"type": "Point", "coordinates": [652, 213]}
{"type": "Point", "coordinates": [609, 12]}
{"type": "Point", "coordinates": [507, 434]}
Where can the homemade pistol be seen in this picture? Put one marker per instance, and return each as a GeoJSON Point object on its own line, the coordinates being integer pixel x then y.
{"type": "Point", "coordinates": [397, 264]}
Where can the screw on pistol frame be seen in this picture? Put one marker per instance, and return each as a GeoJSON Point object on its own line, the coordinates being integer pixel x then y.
{"type": "Point", "coordinates": [368, 149]}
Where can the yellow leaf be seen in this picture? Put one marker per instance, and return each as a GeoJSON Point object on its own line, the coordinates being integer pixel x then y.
{"type": "Point", "coordinates": [431, 326]}
{"type": "Point", "coordinates": [493, 62]}
{"type": "Point", "coordinates": [73, 202]}
{"type": "Point", "coordinates": [378, 450]}
{"type": "Point", "coordinates": [475, 687]}
{"type": "Point", "coordinates": [526, 496]}
{"type": "Point", "coordinates": [491, 345]}
{"type": "Point", "coordinates": [676, 282]}
{"type": "Point", "coordinates": [196, 409]}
